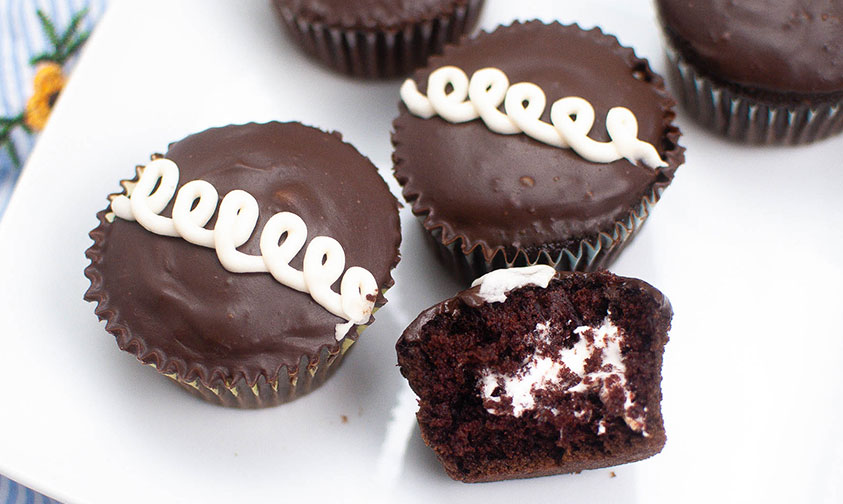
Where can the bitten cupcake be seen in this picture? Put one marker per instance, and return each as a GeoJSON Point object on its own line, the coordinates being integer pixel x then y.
{"type": "Point", "coordinates": [533, 372]}
{"type": "Point", "coordinates": [766, 72]}
{"type": "Point", "coordinates": [376, 38]}
{"type": "Point", "coordinates": [245, 261]}
{"type": "Point", "coordinates": [534, 144]}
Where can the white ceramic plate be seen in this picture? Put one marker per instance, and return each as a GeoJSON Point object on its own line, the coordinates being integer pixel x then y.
{"type": "Point", "coordinates": [746, 243]}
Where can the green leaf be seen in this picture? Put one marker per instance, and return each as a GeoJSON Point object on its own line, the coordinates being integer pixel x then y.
{"type": "Point", "coordinates": [13, 154]}
{"type": "Point", "coordinates": [75, 45]}
{"type": "Point", "coordinates": [48, 28]}
{"type": "Point", "coordinates": [71, 29]}
{"type": "Point", "coordinates": [10, 122]}
{"type": "Point", "coordinates": [42, 58]}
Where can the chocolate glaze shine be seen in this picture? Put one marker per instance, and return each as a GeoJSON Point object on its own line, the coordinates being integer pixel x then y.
{"type": "Point", "coordinates": [776, 45]}
{"type": "Point", "coordinates": [510, 191]}
{"type": "Point", "coordinates": [174, 303]}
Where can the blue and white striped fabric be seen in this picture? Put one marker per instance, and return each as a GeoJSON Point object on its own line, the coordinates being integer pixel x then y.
{"type": "Point", "coordinates": [21, 38]}
{"type": "Point", "coordinates": [12, 493]}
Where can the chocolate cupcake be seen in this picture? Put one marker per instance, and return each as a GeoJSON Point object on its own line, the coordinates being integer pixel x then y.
{"type": "Point", "coordinates": [567, 193]}
{"type": "Point", "coordinates": [759, 71]}
{"type": "Point", "coordinates": [255, 301]}
{"type": "Point", "coordinates": [533, 372]}
{"type": "Point", "coordinates": [376, 38]}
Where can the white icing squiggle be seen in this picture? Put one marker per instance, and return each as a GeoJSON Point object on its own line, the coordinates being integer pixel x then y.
{"type": "Point", "coordinates": [571, 117]}
{"type": "Point", "coordinates": [196, 201]}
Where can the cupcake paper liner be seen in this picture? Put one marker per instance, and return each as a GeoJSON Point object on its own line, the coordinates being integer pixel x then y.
{"type": "Point", "coordinates": [289, 384]}
{"type": "Point", "coordinates": [591, 254]}
{"type": "Point", "coordinates": [380, 53]}
{"type": "Point", "coordinates": [749, 119]}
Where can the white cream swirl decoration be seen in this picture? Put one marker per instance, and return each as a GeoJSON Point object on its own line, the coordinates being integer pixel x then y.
{"type": "Point", "coordinates": [524, 103]}
{"type": "Point", "coordinates": [281, 239]}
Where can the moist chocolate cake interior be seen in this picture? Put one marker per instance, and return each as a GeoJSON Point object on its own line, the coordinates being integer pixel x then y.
{"type": "Point", "coordinates": [455, 344]}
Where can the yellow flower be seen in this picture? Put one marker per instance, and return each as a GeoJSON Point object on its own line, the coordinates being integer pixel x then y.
{"type": "Point", "coordinates": [48, 83]}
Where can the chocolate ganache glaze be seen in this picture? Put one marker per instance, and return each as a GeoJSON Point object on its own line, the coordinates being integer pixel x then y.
{"type": "Point", "coordinates": [786, 46]}
{"type": "Point", "coordinates": [173, 304]}
{"type": "Point", "coordinates": [511, 192]}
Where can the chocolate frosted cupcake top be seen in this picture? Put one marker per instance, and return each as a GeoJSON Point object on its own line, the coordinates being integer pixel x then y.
{"type": "Point", "coordinates": [363, 14]}
{"type": "Point", "coordinates": [777, 45]}
{"type": "Point", "coordinates": [505, 190]}
{"type": "Point", "coordinates": [213, 310]}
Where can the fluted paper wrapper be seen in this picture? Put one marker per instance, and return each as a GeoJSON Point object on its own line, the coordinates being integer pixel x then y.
{"type": "Point", "coordinates": [591, 254]}
{"type": "Point", "coordinates": [288, 385]}
{"type": "Point", "coordinates": [380, 53]}
{"type": "Point", "coordinates": [747, 119]}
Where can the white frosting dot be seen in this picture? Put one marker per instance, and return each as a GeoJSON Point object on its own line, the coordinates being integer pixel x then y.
{"type": "Point", "coordinates": [495, 285]}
